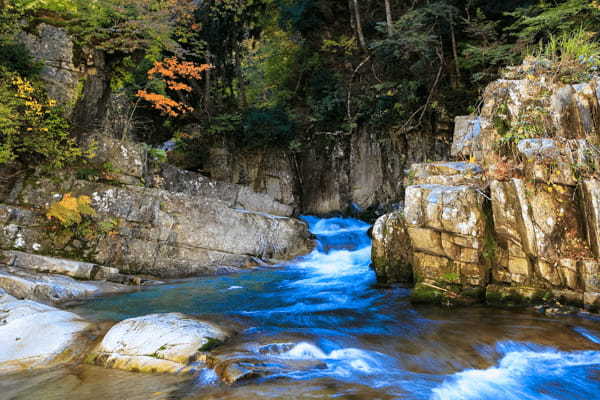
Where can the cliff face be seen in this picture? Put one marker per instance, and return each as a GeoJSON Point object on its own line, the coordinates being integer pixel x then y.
{"type": "Point", "coordinates": [195, 226]}
{"type": "Point", "coordinates": [354, 172]}
{"type": "Point", "coordinates": [520, 219]}
{"type": "Point", "coordinates": [334, 172]}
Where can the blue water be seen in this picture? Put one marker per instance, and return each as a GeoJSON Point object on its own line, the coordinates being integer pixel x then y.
{"type": "Point", "coordinates": [332, 333]}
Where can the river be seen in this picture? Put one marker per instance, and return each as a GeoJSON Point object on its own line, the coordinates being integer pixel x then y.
{"type": "Point", "coordinates": [322, 329]}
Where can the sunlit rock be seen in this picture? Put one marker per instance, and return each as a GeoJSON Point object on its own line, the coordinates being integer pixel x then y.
{"type": "Point", "coordinates": [33, 335]}
{"type": "Point", "coordinates": [391, 249]}
{"type": "Point", "coordinates": [590, 190]}
{"type": "Point", "coordinates": [51, 288]}
{"type": "Point", "coordinates": [454, 173]}
{"type": "Point", "coordinates": [157, 232]}
{"type": "Point", "coordinates": [167, 343]}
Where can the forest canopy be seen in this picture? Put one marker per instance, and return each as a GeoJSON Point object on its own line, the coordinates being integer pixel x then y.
{"type": "Point", "coordinates": [274, 72]}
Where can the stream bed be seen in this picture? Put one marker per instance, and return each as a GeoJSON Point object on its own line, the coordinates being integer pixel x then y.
{"type": "Point", "coordinates": [329, 332]}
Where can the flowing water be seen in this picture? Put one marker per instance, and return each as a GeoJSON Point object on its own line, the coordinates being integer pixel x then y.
{"type": "Point", "coordinates": [321, 329]}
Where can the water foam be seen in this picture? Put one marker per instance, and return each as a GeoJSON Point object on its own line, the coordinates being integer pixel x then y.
{"type": "Point", "coordinates": [527, 372]}
{"type": "Point", "coordinates": [345, 362]}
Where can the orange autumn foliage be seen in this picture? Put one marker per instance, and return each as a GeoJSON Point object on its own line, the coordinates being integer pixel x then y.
{"type": "Point", "coordinates": [164, 104]}
{"type": "Point", "coordinates": [169, 70]}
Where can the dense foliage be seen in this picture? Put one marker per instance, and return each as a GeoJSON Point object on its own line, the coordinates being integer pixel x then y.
{"type": "Point", "coordinates": [284, 70]}
{"type": "Point", "coordinates": [32, 127]}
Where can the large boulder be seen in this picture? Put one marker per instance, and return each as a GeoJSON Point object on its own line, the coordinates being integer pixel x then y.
{"type": "Point", "coordinates": [172, 179]}
{"type": "Point", "coordinates": [445, 173]}
{"type": "Point", "coordinates": [272, 172]}
{"type": "Point", "coordinates": [119, 161]}
{"type": "Point", "coordinates": [467, 135]}
{"type": "Point", "coordinates": [539, 227]}
{"type": "Point", "coordinates": [526, 224]}
{"type": "Point", "coordinates": [34, 335]}
{"type": "Point", "coordinates": [391, 251]}
{"type": "Point", "coordinates": [558, 161]}
{"type": "Point", "coordinates": [446, 226]}
{"type": "Point", "coordinates": [168, 343]}
{"type": "Point", "coordinates": [439, 237]}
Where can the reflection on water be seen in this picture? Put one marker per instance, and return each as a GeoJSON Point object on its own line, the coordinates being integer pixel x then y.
{"type": "Point", "coordinates": [326, 331]}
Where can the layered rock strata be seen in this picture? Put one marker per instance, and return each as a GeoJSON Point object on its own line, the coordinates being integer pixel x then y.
{"type": "Point", "coordinates": [520, 219]}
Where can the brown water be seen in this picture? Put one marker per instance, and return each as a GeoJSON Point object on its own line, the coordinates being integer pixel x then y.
{"type": "Point", "coordinates": [320, 329]}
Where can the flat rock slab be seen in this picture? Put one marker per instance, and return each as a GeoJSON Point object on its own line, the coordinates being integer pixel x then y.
{"type": "Point", "coordinates": [161, 343]}
{"type": "Point", "coordinates": [48, 288]}
{"type": "Point", "coordinates": [451, 173]}
{"type": "Point", "coordinates": [34, 335]}
{"type": "Point", "coordinates": [72, 268]}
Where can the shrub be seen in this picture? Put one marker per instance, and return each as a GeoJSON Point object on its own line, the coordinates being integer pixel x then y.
{"type": "Point", "coordinates": [573, 55]}
{"type": "Point", "coordinates": [70, 210]}
{"type": "Point", "coordinates": [17, 58]}
{"type": "Point", "coordinates": [32, 127]}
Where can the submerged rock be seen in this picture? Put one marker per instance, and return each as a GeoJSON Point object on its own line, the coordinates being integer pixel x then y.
{"type": "Point", "coordinates": [167, 343]}
{"type": "Point", "coordinates": [34, 335]}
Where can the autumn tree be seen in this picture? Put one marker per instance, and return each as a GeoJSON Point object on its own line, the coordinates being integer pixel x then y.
{"type": "Point", "coordinates": [173, 73]}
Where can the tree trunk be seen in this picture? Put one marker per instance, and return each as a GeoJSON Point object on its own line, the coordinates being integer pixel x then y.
{"type": "Point", "coordinates": [240, 77]}
{"type": "Point", "coordinates": [207, 105]}
{"type": "Point", "coordinates": [388, 17]}
{"type": "Point", "coordinates": [454, 51]}
{"type": "Point", "coordinates": [359, 31]}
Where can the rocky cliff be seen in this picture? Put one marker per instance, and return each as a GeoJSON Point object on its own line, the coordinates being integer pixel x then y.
{"type": "Point", "coordinates": [359, 172]}
{"type": "Point", "coordinates": [158, 221]}
{"type": "Point", "coordinates": [352, 173]}
{"type": "Point", "coordinates": [516, 221]}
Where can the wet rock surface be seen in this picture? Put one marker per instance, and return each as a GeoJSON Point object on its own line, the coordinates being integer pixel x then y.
{"type": "Point", "coordinates": [54, 289]}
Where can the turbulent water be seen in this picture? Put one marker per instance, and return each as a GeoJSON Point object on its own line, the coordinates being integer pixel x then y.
{"type": "Point", "coordinates": [326, 331]}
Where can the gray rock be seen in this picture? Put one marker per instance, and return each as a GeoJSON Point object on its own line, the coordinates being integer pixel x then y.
{"type": "Point", "coordinates": [54, 48]}
{"type": "Point", "coordinates": [334, 170]}
{"type": "Point", "coordinates": [165, 343]}
{"type": "Point", "coordinates": [446, 173]}
{"type": "Point", "coordinates": [74, 269]}
{"type": "Point", "coordinates": [590, 191]}
{"type": "Point", "coordinates": [391, 252]}
{"type": "Point", "coordinates": [158, 232]}
{"type": "Point", "coordinates": [172, 179]}
{"type": "Point", "coordinates": [467, 129]}
{"type": "Point", "coordinates": [53, 289]}
{"type": "Point", "coordinates": [121, 161]}
{"type": "Point", "coordinates": [34, 335]}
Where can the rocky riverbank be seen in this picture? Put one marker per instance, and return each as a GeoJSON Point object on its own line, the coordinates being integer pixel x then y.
{"type": "Point", "coordinates": [514, 218]}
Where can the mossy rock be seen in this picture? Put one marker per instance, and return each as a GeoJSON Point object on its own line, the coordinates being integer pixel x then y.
{"type": "Point", "coordinates": [210, 344]}
{"type": "Point", "coordinates": [505, 298]}
{"type": "Point", "coordinates": [422, 294]}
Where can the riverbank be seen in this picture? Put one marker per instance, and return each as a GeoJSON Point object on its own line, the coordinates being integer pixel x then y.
{"type": "Point", "coordinates": [320, 327]}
